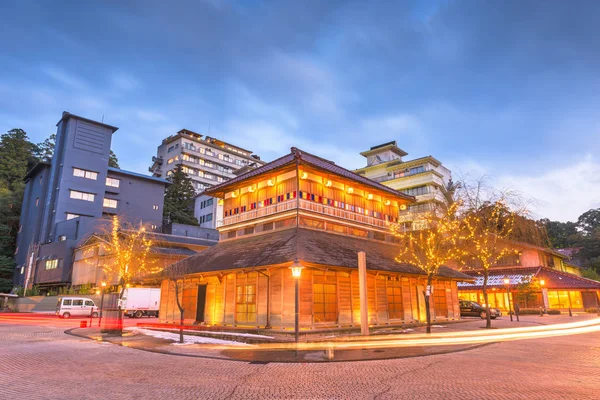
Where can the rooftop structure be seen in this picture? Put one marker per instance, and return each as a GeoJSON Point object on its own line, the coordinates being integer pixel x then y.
{"type": "Point", "coordinates": [425, 178]}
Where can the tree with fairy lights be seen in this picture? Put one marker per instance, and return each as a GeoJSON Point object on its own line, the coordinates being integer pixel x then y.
{"type": "Point", "coordinates": [493, 223]}
{"type": "Point", "coordinates": [129, 249]}
{"type": "Point", "coordinates": [439, 244]}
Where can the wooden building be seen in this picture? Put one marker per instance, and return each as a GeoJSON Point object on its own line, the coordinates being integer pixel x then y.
{"type": "Point", "coordinates": [537, 277]}
{"type": "Point", "coordinates": [302, 208]}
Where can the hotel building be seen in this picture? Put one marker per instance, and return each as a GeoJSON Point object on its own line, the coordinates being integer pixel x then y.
{"type": "Point", "coordinates": [302, 209]}
{"type": "Point", "coordinates": [207, 161]}
{"type": "Point", "coordinates": [424, 178]}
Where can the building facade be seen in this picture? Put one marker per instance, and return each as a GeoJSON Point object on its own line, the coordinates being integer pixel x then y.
{"type": "Point", "coordinates": [537, 277]}
{"type": "Point", "coordinates": [424, 178]}
{"type": "Point", "coordinates": [91, 256]}
{"type": "Point", "coordinates": [302, 209]}
{"type": "Point", "coordinates": [207, 161]}
{"type": "Point", "coordinates": [70, 196]}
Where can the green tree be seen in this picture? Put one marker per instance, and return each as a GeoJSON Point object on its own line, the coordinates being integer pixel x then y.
{"type": "Point", "coordinates": [7, 266]}
{"type": "Point", "coordinates": [527, 292]}
{"type": "Point", "coordinates": [17, 156]}
{"type": "Point", "coordinates": [45, 150]}
{"type": "Point", "coordinates": [112, 160]}
{"type": "Point", "coordinates": [590, 274]}
{"type": "Point", "coordinates": [561, 234]}
{"type": "Point", "coordinates": [179, 198]}
{"type": "Point", "coordinates": [589, 222]}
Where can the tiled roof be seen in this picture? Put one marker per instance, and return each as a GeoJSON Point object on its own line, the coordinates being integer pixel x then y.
{"type": "Point", "coordinates": [308, 246]}
{"type": "Point", "coordinates": [553, 279]}
{"type": "Point", "coordinates": [307, 159]}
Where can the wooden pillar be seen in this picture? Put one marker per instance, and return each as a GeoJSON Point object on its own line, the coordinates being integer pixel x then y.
{"type": "Point", "coordinates": [362, 284]}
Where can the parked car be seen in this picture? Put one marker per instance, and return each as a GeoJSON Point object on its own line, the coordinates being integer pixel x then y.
{"type": "Point", "coordinates": [68, 307]}
{"type": "Point", "coordinates": [473, 309]}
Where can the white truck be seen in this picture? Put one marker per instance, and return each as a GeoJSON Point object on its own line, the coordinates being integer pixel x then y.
{"type": "Point", "coordinates": [138, 302]}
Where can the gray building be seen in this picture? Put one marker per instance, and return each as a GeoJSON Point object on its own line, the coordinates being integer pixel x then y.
{"type": "Point", "coordinates": [207, 161]}
{"type": "Point", "coordinates": [68, 198]}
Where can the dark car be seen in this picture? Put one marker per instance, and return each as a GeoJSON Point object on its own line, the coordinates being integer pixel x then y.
{"type": "Point", "coordinates": [473, 309]}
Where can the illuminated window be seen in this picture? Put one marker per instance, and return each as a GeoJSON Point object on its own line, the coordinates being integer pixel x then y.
{"type": "Point", "coordinates": [113, 182]}
{"type": "Point", "coordinates": [155, 207]}
{"type": "Point", "coordinates": [324, 302]}
{"type": "Point", "coordinates": [245, 307]}
{"type": "Point", "coordinates": [74, 194]}
{"type": "Point", "coordinates": [22, 270]}
{"type": "Point", "coordinates": [51, 264]}
{"type": "Point", "coordinates": [37, 201]}
{"type": "Point", "coordinates": [109, 203]}
{"type": "Point", "coordinates": [83, 173]}
{"type": "Point", "coordinates": [394, 298]}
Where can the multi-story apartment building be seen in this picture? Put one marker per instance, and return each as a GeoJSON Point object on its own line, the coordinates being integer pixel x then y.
{"type": "Point", "coordinates": [304, 211]}
{"type": "Point", "coordinates": [207, 161]}
{"type": "Point", "coordinates": [69, 197]}
{"type": "Point", "coordinates": [425, 178]}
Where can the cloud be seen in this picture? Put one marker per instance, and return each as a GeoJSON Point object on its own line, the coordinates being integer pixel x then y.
{"type": "Point", "coordinates": [124, 82]}
{"type": "Point", "coordinates": [63, 77]}
{"type": "Point", "coordinates": [564, 192]}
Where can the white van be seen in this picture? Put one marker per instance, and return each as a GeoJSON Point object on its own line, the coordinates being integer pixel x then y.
{"type": "Point", "coordinates": [68, 307]}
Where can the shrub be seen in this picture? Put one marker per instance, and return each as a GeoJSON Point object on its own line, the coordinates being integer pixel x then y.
{"type": "Point", "coordinates": [553, 311]}
{"type": "Point", "coordinates": [591, 310]}
{"type": "Point", "coordinates": [529, 311]}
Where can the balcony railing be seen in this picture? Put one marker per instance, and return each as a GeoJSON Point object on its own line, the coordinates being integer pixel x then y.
{"type": "Point", "coordinates": [304, 205]}
{"type": "Point", "coordinates": [257, 213]}
{"type": "Point", "coordinates": [392, 176]}
{"type": "Point", "coordinates": [343, 214]}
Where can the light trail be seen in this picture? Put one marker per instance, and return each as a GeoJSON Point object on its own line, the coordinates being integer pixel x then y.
{"type": "Point", "coordinates": [441, 339]}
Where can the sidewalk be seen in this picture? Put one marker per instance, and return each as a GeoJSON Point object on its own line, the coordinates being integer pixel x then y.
{"type": "Point", "coordinates": [265, 348]}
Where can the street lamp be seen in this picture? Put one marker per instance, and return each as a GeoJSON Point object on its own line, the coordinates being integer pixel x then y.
{"type": "Point", "coordinates": [542, 283]}
{"type": "Point", "coordinates": [103, 285]}
{"type": "Point", "coordinates": [507, 283]}
{"type": "Point", "coordinates": [296, 272]}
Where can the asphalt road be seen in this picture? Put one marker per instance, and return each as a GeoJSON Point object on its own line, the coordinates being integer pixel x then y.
{"type": "Point", "coordinates": [39, 361]}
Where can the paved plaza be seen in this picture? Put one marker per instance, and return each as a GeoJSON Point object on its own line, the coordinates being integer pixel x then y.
{"type": "Point", "coordinates": [40, 361]}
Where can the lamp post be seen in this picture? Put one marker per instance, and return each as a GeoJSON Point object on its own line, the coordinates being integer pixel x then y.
{"type": "Point", "coordinates": [103, 285]}
{"type": "Point", "coordinates": [507, 283]}
{"type": "Point", "coordinates": [296, 273]}
{"type": "Point", "coordinates": [542, 282]}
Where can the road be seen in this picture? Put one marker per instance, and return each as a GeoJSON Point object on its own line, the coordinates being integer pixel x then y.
{"type": "Point", "coordinates": [39, 361]}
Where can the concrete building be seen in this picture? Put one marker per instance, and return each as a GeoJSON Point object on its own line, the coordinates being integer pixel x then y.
{"type": "Point", "coordinates": [207, 161]}
{"type": "Point", "coordinates": [68, 198]}
{"type": "Point", "coordinates": [303, 210]}
{"type": "Point", "coordinates": [425, 178]}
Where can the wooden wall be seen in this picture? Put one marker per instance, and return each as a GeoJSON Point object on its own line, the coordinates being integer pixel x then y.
{"type": "Point", "coordinates": [221, 298]}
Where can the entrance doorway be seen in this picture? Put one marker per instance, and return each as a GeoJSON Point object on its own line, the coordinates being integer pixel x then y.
{"type": "Point", "coordinates": [201, 303]}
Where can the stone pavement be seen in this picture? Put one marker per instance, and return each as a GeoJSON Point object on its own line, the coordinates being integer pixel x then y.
{"type": "Point", "coordinates": [40, 362]}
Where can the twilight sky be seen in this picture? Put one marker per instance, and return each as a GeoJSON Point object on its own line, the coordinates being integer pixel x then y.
{"type": "Point", "coordinates": [506, 88]}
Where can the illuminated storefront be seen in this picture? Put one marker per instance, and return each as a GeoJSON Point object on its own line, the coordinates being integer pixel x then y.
{"type": "Point", "coordinates": [532, 287]}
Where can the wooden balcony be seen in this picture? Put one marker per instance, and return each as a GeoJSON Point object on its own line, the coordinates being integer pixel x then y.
{"type": "Point", "coordinates": [342, 214]}
{"type": "Point", "coordinates": [304, 205]}
{"type": "Point", "coordinates": [257, 213]}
